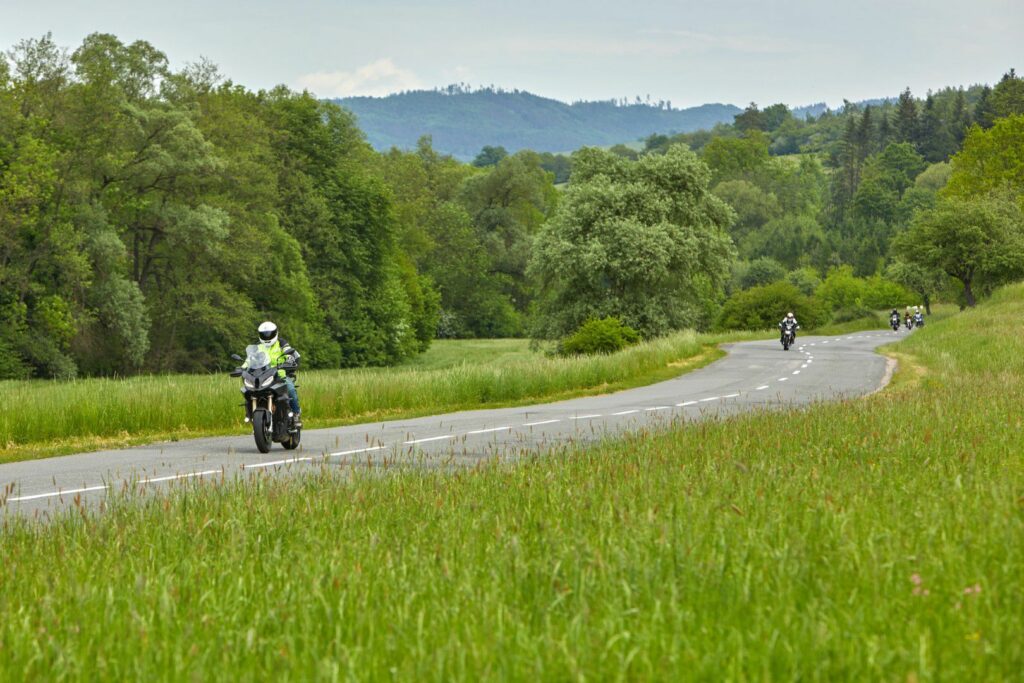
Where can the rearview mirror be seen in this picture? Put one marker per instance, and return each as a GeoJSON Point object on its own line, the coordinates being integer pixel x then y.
{"type": "Point", "coordinates": [235, 356]}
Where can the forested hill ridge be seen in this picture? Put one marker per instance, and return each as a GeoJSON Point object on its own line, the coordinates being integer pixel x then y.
{"type": "Point", "coordinates": [461, 121]}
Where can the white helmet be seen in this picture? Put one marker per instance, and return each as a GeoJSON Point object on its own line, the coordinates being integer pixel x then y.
{"type": "Point", "coordinates": [268, 333]}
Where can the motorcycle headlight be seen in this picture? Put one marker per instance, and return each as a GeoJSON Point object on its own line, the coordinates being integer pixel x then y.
{"type": "Point", "coordinates": [248, 384]}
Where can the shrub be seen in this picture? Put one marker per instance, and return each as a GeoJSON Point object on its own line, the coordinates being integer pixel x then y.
{"type": "Point", "coordinates": [851, 313]}
{"type": "Point", "coordinates": [600, 335]}
{"type": "Point", "coordinates": [841, 289]}
{"type": "Point", "coordinates": [760, 308]}
{"type": "Point", "coordinates": [881, 293]}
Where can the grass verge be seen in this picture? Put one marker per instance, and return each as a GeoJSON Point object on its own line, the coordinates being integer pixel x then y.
{"type": "Point", "coordinates": [53, 418]}
{"type": "Point", "coordinates": [876, 539]}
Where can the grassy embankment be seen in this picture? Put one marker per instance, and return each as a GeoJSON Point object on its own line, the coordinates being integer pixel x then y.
{"type": "Point", "coordinates": [877, 539]}
{"type": "Point", "coordinates": [45, 418]}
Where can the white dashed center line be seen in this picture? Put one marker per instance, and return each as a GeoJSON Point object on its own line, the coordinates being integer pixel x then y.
{"type": "Point", "coordinates": [583, 417]}
{"type": "Point", "coordinates": [627, 412]}
{"type": "Point", "coordinates": [53, 494]}
{"type": "Point", "coordinates": [274, 463]}
{"type": "Point", "coordinates": [431, 438]}
{"type": "Point", "coordinates": [542, 422]}
{"type": "Point", "coordinates": [762, 387]}
{"type": "Point", "coordinates": [357, 450]}
{"type": "Point", "coordinates": [685, 403]}
{"type": "Point", "coordinates": [492, 429]}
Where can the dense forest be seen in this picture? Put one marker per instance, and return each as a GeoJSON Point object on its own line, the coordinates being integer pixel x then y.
{"type": "Point", "coordinates": [461, 120]}
{"type": "Point", "coordinates": [150, 218]}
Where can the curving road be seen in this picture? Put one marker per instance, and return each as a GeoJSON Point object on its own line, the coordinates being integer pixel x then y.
{"type": "Point", "coordinates": [754, 375]}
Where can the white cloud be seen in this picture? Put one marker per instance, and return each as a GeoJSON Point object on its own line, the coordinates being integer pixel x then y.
{"type": "Point", "coordinates": [378, 78]}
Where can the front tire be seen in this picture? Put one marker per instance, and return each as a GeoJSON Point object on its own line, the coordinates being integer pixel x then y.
{"type": "Point", "coordinates": [261, 431]}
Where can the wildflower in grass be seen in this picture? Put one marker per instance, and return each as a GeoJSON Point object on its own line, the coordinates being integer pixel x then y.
{"type": "Point", "coordinates": [973, 590]}
{"type": "Point", "coordinates": [918, 582]}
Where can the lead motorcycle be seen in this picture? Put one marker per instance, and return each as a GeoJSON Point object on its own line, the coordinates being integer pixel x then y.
{"type": "Point", "coordinates": [267, 405]}
{"type": "Point", "coordinates": [788, 335]}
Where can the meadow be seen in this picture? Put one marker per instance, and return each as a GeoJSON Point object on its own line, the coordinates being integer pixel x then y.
{"type": "Point", "coordinates": [873, 539]}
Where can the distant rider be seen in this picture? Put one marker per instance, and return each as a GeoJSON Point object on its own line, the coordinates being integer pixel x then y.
{"type": "Point", "coordinates": [789, 324]}
{"type": "Point", "coordinates": [894, 318]}
{"type": "Point", "coordinates": [280, 351]}
{"type": "Point", "coordinates": [919, 319]}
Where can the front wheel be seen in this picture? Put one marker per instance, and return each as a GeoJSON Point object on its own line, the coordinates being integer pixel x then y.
{"type": "Point", "coordinates": [261, 428]}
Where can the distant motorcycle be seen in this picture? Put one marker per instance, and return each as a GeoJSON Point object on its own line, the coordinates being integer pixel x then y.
{"type": "Point", "coordinates": [788, 336]}
{"type": "Point", "coordinates": [267, 405]}
{"type": "Point", "coordinates": [894, 321]}
{"type": "Point", "coordinates": [919, 320]}
{"type": "Point", "coordinates": [910, 323]}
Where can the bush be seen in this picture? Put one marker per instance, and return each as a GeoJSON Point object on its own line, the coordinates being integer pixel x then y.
{"type": "Point", "coordinates": [880, 293]}
{"type": "Point", "coordinates": [604, 335]}
{"type": "Point", "coordinates": [845, 315]}
{"type": "Point", "coordinates": [761, 308]}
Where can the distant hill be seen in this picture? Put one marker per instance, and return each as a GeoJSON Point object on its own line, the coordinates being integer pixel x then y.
{"type": "Point", "coordinates": [461, 121]}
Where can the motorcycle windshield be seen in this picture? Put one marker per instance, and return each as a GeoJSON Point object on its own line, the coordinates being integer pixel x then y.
{"type": "Point", "coordinates": [255, 357]}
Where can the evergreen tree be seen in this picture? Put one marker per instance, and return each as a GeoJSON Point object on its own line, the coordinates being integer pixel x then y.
{"type": "Point", "coordinates": [906, 118]}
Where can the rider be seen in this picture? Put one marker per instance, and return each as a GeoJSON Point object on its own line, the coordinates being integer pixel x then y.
{"type": "Point", "coordinates": [894, 317]}
{"type": "Point", "coordinates": [789, 322]}
{"type": "Point", "coordinates": [280, 351]}
{"type": "Point", "coordinates": [919, 318]}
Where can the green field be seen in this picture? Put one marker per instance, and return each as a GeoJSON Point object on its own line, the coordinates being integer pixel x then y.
{"type": "Point", "coordinates": [48, 417]}
{"type": "Point", "coordinates": [876, 539]}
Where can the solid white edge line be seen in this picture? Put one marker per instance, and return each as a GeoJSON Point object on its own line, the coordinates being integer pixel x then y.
{"type": "Point", "coordinates": [685, 403]}
{"type": "Point", "coordinates": [542, 422]}
{"type": "Point", "coordinates": [627, 412]}
{"type": "Point", "coordinates": [356, 450]}
{"type": "Point", "coordinates": [710, 398]}
{"type": "Point", "coordinates": [731, 395]}
{"type": "Point", "coordinates": [654, 408]}
{"type": "Point", "coordinates": [762, 387]}
{"type": "Point", "coordinates": [492, 429]}
{"type": "Point", "coordinates": [54, 494]}
{"type": "Point", "coordinates": [430, 438]}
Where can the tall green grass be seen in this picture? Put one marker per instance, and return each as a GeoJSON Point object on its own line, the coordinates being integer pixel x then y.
{"type": "Point", "coordinates": [876, 539]}
{"type": "Point", "coordinates": [496, 373]}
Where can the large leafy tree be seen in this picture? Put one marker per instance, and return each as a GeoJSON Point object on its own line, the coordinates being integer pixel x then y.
{"type": "Point", "coordinates": [978, 241]}
{"type": "Point", "coordinates": [642, 241]}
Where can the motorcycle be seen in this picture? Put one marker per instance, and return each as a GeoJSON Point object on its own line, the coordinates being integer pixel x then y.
{"type": "Point", "coordinates": [894, 322]}
{"type": "Point", "coordinates": [918, 320]}
{"type": "Point", "coordinates": [910, 323]}
{"type": "Point", "coordinates": [267, 405]}
{"type": "Point", "coordinates": [788, 336]}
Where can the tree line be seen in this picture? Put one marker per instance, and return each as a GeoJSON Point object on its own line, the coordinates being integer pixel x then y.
{"type": "Point", "coordinates": [149, 218]}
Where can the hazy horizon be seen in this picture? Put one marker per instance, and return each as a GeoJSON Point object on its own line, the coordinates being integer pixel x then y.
{"type": "Point", "coordinates": [799, 53]}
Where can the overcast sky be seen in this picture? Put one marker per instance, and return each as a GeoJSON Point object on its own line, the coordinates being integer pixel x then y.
{"type": "Point", "coordinates": [796, 51]}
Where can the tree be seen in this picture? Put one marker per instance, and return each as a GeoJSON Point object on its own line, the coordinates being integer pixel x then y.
{"type": "Point", "coordinates": [490, 156]}
{"type": "Point", "coordinates": [907, 124]}
{"type": "Point", "coordinates": [978, 241]}
{"type": "Point", "coordinates": [642, 241]}
{"type": "Point", "coordinates": [762, 271]}
{"type": "Point", "coordinates": [750, 119]}
{"type": "Point", "coordinates": [990, 160]}
{"type": "Point", "coordinates": [1008, 95]}
{"type": "Point", "coordinates": [731, 158]}
{"type": "Point", "coordinates": [918, 279]}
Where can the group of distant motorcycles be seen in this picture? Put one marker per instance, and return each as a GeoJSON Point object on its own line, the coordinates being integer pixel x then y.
{"type": "Point", "coordinates": [908, 320]}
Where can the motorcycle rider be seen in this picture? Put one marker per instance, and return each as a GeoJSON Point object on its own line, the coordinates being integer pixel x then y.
{"type": "Point", "coordinates": [919, 319]}
{"type": "Point", "coordinates": [789, 323]}
{"type": "Point", "coordinates": [894, 318]}
{"type": "Point", "coordinates": [280, 351]}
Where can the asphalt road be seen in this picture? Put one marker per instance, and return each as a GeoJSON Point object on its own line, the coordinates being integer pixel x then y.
{"type": "Point", "coordinates": [754, 375]}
